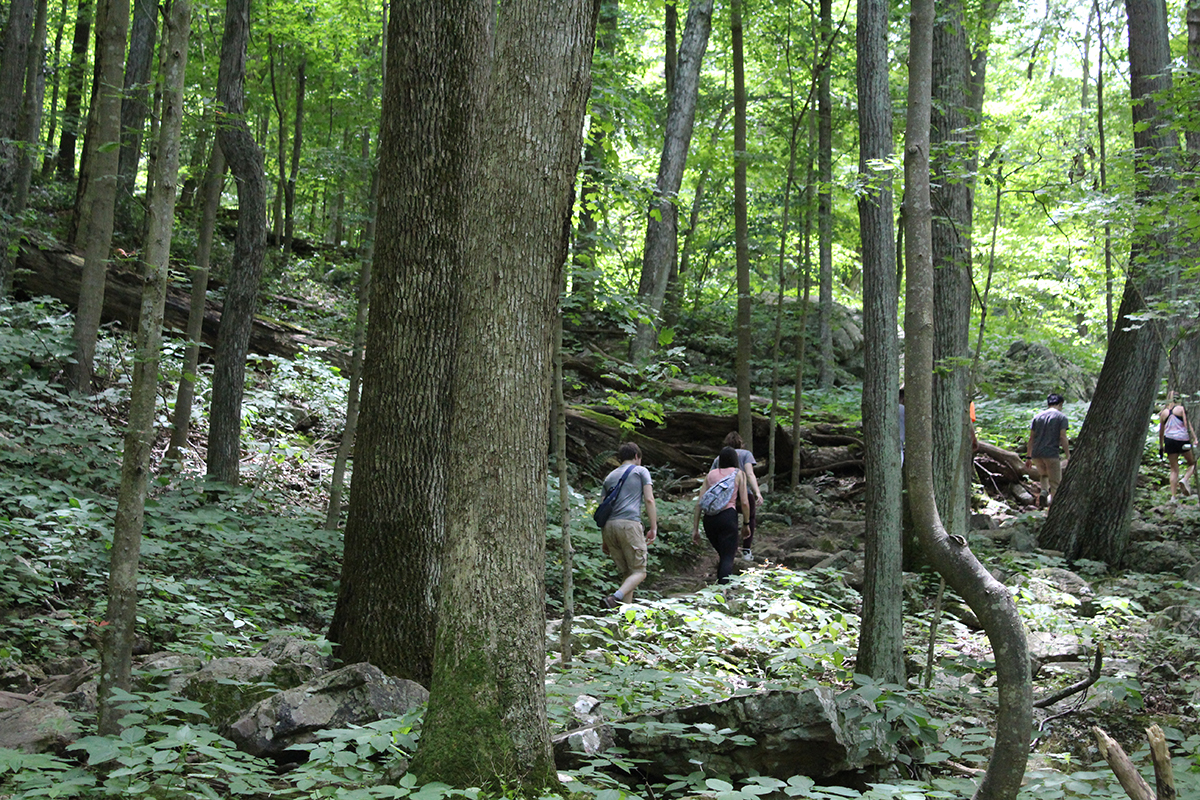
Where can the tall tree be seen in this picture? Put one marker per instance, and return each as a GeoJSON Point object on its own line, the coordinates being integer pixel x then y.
{"type": "Point", "coordinates": [12, 88]}
{"type": "Point", "coordinates": [245, 160]}
{"type": "Point", "coordinates": [881, 643]}
{"type": "Point", "coordinates": [825, 205]}
{"type": "Point", "coordinates": [76, 72]}
{"type": "Point", "coordinates": [387, 599]}
{"type": "Point", "coordinates": [951, 160]}
{"type": "Point", "coordinates": [489, 660]}
{"type": "Point", "coordinates": [289, 196]}
{"type": "Point", "coordinates": [742, 228]}
{"type": "Point", "coordinates": [121, 613]}
{"type": "Point", "coordinates": [134, 106]}
{"type": "Point", "coordinates": [60, 27]}
{"type": "Point", "coordinates": [29, 128]}
{"type": "Point", "coordinates": [662, 224]}
{"type": "Point", "coordinates": [1093, 508]}
{"type": "Point", "coordinates": [98, 179]}
{"type": "Point", "coordinates": [987, 597]}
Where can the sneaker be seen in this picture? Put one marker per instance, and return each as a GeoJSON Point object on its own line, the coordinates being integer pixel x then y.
{"type": "Point", "coordinates": [611, 602]}
{"type": "Point", "coordinates": [746, 554]}
{"type": "Point", "coordinates": [1183, 485]}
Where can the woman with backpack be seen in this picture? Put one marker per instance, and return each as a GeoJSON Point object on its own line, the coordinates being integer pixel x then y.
{"type": "Point", "coordinates": [723, 493]}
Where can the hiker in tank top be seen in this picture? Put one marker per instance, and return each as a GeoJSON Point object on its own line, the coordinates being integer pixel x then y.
{"type": "Point", "coordinates": [722, 528]}
{"type": "Point", "coordinates": [1175, 436]}
{"type": "Point", "coordinates": [746, 462]}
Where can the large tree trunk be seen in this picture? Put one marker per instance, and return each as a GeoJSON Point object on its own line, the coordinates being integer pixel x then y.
{"type": "Point", "coordinates": [986, 596]}
{"type": "Point", "coordinates": [881, 642]}
{"type": "Point", "coordinates": [486, 724]}
{"type": "Point", "coordinates": [98, 177]}
{"type": "Point", "coordinates": [12, 89]}
{"type": "Point", "coordinates": [662, 221]}
{"type": "Point", "coordinates": [73, 104]}
{"type": "Point", "coordinates": [950, 194]}
{"type": "Point", "coordinates": [387, 600]}
{"type": "Point", "coordinates": [825, 206]}
{"type": "Point", "coordinates": [121, 613]}
{"type": "Point", "coordinates": [246, 163]}
{"type": "Point", "coordinates": [134, 109]}
{"type": "Point", "coordinates": [741, 227]}
{"type": "Point", "coordinates": [1093, 507]}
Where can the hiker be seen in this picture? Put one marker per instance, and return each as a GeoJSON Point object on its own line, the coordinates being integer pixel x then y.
{"type": "Point", "coordinates": [1047, 434]}
{"type": "Point", "coordinates": [622, 536]}
{"type": "Point", "coordinates": [721, 523]}
{"type": "Point", "coordinates": [746, 462]}
{"type": "Point", "coordinates": [1175, 436]}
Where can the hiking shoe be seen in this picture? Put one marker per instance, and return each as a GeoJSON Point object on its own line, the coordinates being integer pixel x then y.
{"type": "Point", "coordinates": [1187, 490]}
{"type": "Point", "coordinates": [611, 602]}
{"type": "Point", "coordinates": [746, 554]}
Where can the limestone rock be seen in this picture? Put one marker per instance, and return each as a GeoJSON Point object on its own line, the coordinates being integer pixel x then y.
{"type": "Point", "coordinates": [353, 695]}
{"type": "Point", "coordinates": [37, 727]}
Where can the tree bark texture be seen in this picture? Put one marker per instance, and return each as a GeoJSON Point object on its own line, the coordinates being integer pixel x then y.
{"type": "Point", "coordinates": [134, 108]}
{"type": "Point", "coordinates": [387, 601]}
{"type": "Point", "coordinates": [741, 227]}
{"type": "Point", "coordinates": [29, 128]}
{"type": "Point", "coordinates": [881, 642]}
{"type": "Point", "coordinates": [951, 160]}
{"type": "Point", "coordinates": [12, 85]}
{"type": "Point", "coordinates": [1092, 510]}
{"type": "Point", "coordinates": [121, 613]}
{"type": "Point", "coordinates": [99, 179]}
{"type": "Point", "coordinates": [986, 596]}
{"type": "Point", "coordinates": [245, 160]}
{"type": "Point", "coordinates": [181, 418]}
{"type": "Point", "coordinates": [662, 222]}
{"type": "Point", "coordinates": [486, 724]}
{"type": "Point", "coordinates": [825, 206]}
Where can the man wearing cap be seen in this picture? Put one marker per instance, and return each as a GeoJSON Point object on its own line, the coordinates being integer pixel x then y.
{"type": "Point", "coordinates": [1047, 440]}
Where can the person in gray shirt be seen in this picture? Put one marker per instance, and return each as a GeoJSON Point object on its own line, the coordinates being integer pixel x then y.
{"type": "Point", "coordinates": [623, 538]}
{"type": "Point", "coordinates": [1047, 442]}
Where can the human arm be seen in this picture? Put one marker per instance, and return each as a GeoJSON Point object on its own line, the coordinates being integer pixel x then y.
{"type": "Point", "coordinates": [1064, 443]}
{"type": "Point", "coordinates": [696, 515]}
{"type": "Point", "coordinates": [748, 471]}
{"type": "Point", "coordinates": [743, 499]}
{"type": "Point", "coordinates": [651, 512]}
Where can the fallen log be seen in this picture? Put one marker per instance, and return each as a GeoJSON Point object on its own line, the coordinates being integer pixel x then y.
{"type": "Point", "coordinates": [57, 273]}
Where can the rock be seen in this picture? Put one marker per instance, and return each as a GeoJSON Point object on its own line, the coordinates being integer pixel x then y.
{"type": "Point", "coordinates": [841, 560]}
{"type": "Point", "coordinates": [169, 670]}
{"type": "Point", "coordinates": [353, 695]}
{"type": "Point", "coordinates": [1180, 619]}
{"type": "Point", "coordinates": [1055, 647]}
{"type": "Point", "coordinates": [1037, 371]}
{"type": "Point", "coordinates": [11, 700]}
{"type": "Point", "coordinates": [1022, 541]}
{"type": "Point", "coordinates": [1142, 531]}
{"type": "Point", "coordinates": [21, 678]}
{"type": "Point", "coordinates": [228, 686]}
{"type": "Point", "coordinates": [769, 518]}
{"type": "Point", "coordinates": [803, 559]}
{"type": "Point", "coordinates": [299, 660]}
{"type": "Point", "coordinates": [1153, 557]}
{"type": "Point", "coordinates": [983, 522]}
{"type": "Point", "coordinates": [43, 726]}
{"type": "Point", "coordinates": [793, 733]}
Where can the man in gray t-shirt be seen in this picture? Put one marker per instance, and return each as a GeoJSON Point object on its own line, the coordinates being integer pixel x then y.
{"type": "Point", "coordinates": [623, 538]}
{"type": "Point", "coordinates": [1047, 441]}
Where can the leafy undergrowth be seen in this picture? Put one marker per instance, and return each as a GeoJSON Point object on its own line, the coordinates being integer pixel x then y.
{"type": "Point", "coordinates": [224, 569]}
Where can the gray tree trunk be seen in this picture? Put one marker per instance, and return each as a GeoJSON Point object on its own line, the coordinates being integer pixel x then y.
{"type": "Point", "coordinates": [881, 642]}
{"type": "Point", "coordinates": [387, 600]}
{"type": "Point", "coordinates": [48, 154]}
{"type": "Point", "coordinates": [76, 72]}
{"type": "Point", "coordinates": [12, 89]}
{"type": "Point", "coordinates": [1091, 514]}
{"type": "Point", "coordinates": [487, 724]}
{"type": "Point", "coordinates": [742, 229]}
{"type": "Point", "coordinates": [99, 177]}
{"type": "Point", "coordinates": [134, 108]}
{"type": "Point", "coordinates": [121, 614]}
{"type": "Point", "coordinates": [185, 396]}
{"type": "Point", "coordinates": [950, 193]}
{"type": "Point", "coordinates": [29, 129]}
{"type": "Point", "coordinates": [289, 195]}
{"type": "Point", "coordinates": [987, 597]}
{"type": "Point", "coordinates": [662, 224]}
{"type": "Point", "coordinates": [825, 206]}
{"type": "Point", "coordinates": [245, 160]}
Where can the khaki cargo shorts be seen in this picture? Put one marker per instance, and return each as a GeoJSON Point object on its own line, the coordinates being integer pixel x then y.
{"type": "Point", "coordinates": [626, 541]}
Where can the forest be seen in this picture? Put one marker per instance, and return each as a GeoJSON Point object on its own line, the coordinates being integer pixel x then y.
{"type": "Point", "coordinates": [325, 327]}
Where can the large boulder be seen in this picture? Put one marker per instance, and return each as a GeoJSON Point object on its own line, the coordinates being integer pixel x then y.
{"type": "Point", "coordinates": [1154, 557]}
{"type": "Point", "coordinates": [1037, 371]}
{"type": "Point", "coordinates": [778, 733]}
{"type": "Point", "coordinates": [228, 686]}
{"type": "Point", "coordinates": [353, 695]}
{"type": "Point", "coordinates": [38, 727]}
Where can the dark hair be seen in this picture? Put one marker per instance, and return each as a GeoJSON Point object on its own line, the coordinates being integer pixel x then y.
{"type": "Point", "coordinates": [1054, 400]}
{"type": "Point", "coordinates": [728, 458]}
{"type": "Point", "coordinates": [733, 439]}
{"type": "Point", "coordinates": [629, 451]}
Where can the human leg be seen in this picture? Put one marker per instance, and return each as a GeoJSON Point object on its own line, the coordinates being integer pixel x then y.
{"type": "Point", "coordinates": [1054, 478]}
{"type": "Point", "coordinates": [722, 532]}
{"type": "Point", "coordinates": [626, 542]}
{"type": "Point", "coordinates": [1173, 460]}
{"type": "Point", "coordinates": [1044, 480]}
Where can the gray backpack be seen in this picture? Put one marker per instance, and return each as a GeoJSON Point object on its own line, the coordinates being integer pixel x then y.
{"type": "Point", "coordinates": [717, 496]}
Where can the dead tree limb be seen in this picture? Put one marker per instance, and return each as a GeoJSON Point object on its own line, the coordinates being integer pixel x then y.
{"type": "Point", "coordinates": [1160, 754]}
{"type": "Point", "coordinates": [1131, 781]}
{"type": "Point", "coordinates": [1077, 687]}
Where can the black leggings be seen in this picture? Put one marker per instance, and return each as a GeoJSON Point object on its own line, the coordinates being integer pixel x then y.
{"type": "Point", "coordinates": [722, 532]}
